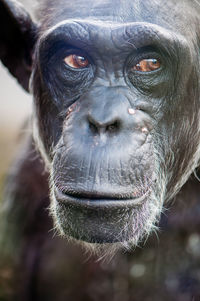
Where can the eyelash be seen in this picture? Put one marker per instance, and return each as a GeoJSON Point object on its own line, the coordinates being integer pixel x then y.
{"type": "Point", "coordinates": [136, 60]}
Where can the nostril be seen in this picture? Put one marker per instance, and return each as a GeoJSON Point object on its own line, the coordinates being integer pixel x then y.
{"type": "Point", "coordinates": [93, 127]}
{"type": "Point", "coordinates": [103, 126]}
{"type": "Point", "coordinates": [114, 127]}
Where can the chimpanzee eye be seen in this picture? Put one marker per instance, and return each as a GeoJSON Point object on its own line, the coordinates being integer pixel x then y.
{"type": "Point", "coordinates": [147, 65]}
{"type": "Point", "coordinates": [76, 61]}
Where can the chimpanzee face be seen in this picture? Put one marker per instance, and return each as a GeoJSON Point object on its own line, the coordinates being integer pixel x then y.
{"type": "Point", "coordinates": [116, 98]}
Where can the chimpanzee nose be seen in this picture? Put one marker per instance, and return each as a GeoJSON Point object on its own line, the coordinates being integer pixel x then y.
{"type": "Point", "coordinates": [104, 125]}
{"type": "Point", "coordinates": [106, 109]}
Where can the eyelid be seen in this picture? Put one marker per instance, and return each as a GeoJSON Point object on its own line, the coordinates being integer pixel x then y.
{"type": "Point", "coordinates": [146, 64]}
{"type": "Point", "coordinates": [72, 60]}
{"type": "Point", "coordinates": [77, 52]}
{"type": "Point", "coordinates": [145, 55]}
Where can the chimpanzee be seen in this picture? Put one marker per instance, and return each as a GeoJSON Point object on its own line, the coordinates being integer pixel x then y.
{"type": "Point", "coordinates": [116, 118]}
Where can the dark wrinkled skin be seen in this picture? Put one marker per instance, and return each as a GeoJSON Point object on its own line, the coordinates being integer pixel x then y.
{"type": "Point", "coordinates": [110, 171]}
{"type": "Point", "coordinates": [146, 168]}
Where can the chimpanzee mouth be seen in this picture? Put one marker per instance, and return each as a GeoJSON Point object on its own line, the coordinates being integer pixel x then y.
{"type": "Point", "coordinates": [99, 217]}
{"type": "Point", "coordinates": [97, 200]}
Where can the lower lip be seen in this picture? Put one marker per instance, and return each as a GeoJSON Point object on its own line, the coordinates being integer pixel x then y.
{"type": "Point", "coordinates": [98, 203]}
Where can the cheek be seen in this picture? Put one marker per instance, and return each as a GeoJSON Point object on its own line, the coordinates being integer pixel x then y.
{"type": "Point", "coordinates": [178, 148]}
{"type": "Point", "coordinates": [47, 125]}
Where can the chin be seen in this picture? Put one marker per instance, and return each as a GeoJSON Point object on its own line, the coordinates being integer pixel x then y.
{"type": "Point", "coordinates": [97, 222]}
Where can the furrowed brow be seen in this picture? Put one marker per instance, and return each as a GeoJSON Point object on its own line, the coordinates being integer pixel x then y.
{"type": "Point", "coordinates": [138, 35]}
{"type": "Point", "coordinates": [85, 33]}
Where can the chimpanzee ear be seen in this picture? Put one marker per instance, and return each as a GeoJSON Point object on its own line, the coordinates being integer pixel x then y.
{"type": "Point", "coordinates": [17, 38]}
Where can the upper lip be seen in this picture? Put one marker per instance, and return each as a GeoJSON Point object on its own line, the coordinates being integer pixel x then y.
{"type": "Point", "coordinates": [94, 195]}
{"type": "Point", "coordinates": [97, 199]}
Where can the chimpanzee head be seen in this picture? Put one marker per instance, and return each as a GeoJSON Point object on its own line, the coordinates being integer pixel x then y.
{"type": "Point", "coordinates": [116, 89]}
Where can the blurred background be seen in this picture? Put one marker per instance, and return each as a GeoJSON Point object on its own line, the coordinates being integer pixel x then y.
{"type": "Point", "coordinates": [15, 107]}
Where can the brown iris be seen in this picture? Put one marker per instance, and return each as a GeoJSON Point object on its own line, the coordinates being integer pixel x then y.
{"type": "Point", "coordinates": [147, 65]}
{"type": "Point", "coordinates": [76, 61]}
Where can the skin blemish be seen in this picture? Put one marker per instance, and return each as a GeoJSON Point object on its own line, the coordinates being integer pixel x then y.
{"type": "Point", "coordinates": [131, 111]}
{"type": "Point", "coordinates": [71, 109]}
{"type": "Point", "coordinates": [144, 130]}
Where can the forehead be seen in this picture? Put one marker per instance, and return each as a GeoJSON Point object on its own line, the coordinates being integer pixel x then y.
{"type": "Point", "coordinates": [170, 14]}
